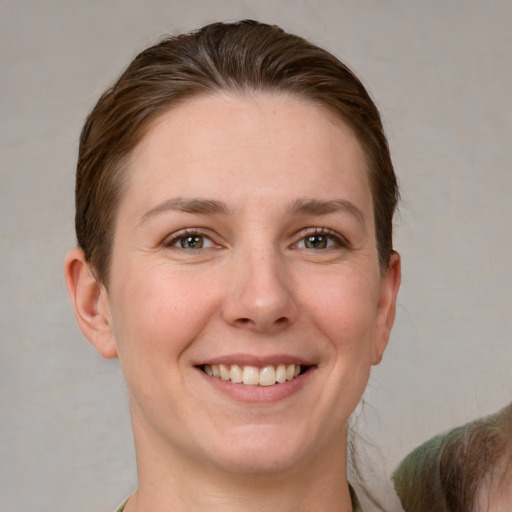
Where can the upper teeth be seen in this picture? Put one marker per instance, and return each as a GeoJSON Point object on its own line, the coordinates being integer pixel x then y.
{"type": "Point", "coordinates": [251, 375]}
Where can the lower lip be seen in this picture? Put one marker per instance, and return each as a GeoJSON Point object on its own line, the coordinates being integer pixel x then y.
{"type": "Point", "coordinates": [259, 394]}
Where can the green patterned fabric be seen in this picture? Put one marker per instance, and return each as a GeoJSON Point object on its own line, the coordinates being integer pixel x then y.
{"type": "Point", "coordinates": [355, 502]}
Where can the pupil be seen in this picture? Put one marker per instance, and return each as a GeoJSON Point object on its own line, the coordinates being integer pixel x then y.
{"type": "Point", "coordinates": [192, 242]}
{"type": "Point", "coordinates": [316, 242]}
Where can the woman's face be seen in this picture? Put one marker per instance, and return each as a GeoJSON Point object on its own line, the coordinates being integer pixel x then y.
{"type": "Point", "coordinates": [245, 246]}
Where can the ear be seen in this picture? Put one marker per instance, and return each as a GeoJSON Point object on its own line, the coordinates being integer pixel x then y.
{"type": "Point", "coordinates": [386, 307]}
{"type": "Point", "coordinates": [90, 302]}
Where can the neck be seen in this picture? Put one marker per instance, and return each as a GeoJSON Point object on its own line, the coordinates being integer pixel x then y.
{"type": "Point", "coordinates": [170, 480]}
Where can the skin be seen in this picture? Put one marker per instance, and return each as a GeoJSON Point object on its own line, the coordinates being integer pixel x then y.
{"type": "Point", "coordinates": [258, 292]}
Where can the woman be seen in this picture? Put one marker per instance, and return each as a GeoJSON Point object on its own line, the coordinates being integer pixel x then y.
{"type": "Point", "coordinates": [234, 204]}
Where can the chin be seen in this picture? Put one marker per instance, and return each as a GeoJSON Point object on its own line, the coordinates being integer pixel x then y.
{"type": "Point", "coordinates": [261, 451]}
{"type": "Point", "coordinates": [257, 463]}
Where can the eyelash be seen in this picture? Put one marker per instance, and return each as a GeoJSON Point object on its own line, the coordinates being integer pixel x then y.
{"type": "Point", "coordinates": [186, 233]}
{"type": "Point", "coordinates": [335, 238]}
{"type": "Point", "coordinates": [339, 240]}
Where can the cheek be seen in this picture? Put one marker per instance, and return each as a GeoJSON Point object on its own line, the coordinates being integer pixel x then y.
{"type": "Point", "coordinates": [156, 317]}
{"type": "Point", "coordinates": [345, 311]}
{"type": "Point", "coordinates": [157, 314]}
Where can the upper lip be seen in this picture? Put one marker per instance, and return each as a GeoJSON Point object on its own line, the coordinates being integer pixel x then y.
{"type": "Point", "coordinates": [257, 361]}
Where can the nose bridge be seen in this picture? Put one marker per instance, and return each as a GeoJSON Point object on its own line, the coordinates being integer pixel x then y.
{"type": "Point", "coordinates": [261, 296]}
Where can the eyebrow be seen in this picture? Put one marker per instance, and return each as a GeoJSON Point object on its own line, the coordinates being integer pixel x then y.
{"type": "Point", "coordinates": [212, 206]}
{"type": "Point", "coordinates": [204, 206]}
{"type": "Point", "coordinates": [324, 207]}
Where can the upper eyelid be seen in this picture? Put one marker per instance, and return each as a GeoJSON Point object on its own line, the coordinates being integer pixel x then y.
{"type": "Point", "coordinates": [299, 235]}
{"type": "Point", "coordinates": [317, 230]}
{"type": "Point", "coordinates": [173, 237]}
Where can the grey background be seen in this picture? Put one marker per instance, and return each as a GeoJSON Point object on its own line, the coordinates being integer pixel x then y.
{"type": "Point", "coordinates": [441, 72]}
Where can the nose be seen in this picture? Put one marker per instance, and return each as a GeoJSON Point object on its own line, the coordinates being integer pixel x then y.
{"type": "Point", "coordinates": [261, 295]}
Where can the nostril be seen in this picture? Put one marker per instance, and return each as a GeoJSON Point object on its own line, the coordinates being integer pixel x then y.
{"type": "Point", "coordinates": [248, 322]}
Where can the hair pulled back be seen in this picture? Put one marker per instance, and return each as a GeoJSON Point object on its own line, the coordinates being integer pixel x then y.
{"type": "Point", "coordinates": [246, 56]}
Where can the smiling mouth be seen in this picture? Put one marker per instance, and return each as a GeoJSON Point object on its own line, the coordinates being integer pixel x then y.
{"type": "Point", "coordinates": [254, 376]}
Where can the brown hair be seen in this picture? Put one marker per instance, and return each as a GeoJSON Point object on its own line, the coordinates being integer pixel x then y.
{"type": "Point", "coordinates": [246, 56]}
{"type": "Point", "coordinates": [448, 472]}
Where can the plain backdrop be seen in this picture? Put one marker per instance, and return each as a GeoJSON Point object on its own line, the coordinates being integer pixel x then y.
{"type": "Point", "coordinates": [441, 73]}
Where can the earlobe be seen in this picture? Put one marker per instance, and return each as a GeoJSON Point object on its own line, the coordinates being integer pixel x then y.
{"type": "Point", "coordinates": [90, 303]}
{"type": "Point", "coordinates": [386, 307]}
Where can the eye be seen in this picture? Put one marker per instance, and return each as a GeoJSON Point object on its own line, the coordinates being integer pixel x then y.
{"type": "Point", "coordinates": [320, 238]}
{"type": "Point", "coordinates": [190, 240]}
{"type": "Point", "coordinates": [316, 242]}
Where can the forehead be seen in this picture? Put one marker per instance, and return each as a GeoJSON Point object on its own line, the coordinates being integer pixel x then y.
{"type": "Point", "coordinates": [238, 145]}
